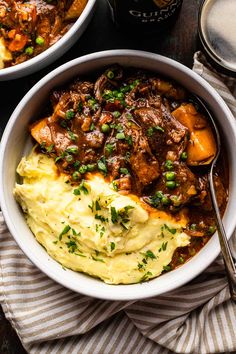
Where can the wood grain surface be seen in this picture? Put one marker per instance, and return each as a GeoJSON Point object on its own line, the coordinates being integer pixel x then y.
{"type": "Point", "coordinates": [179, 43]}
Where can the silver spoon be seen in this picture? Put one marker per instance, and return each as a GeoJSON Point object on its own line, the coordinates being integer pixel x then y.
{"type": "Point", "coordinates": [225, 249]}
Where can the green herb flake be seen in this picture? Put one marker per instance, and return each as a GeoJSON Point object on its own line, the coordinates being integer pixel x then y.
{"type": "Point", "coordinates": [80, 255]}
{"type": "Point", "coordinates": [150, 254]}
{"type": "Point", "coordinates": [167, 268]}
{"type": "Point", "coordinates": [150, 132]}
{"type": "Point", "coordinates": [109, 148]}
{"type": "Point", "coordinates": [81, 188]}
{"type": "Point", "coordinates": [97, 259]}
{"type": "Point", "coordinates": [145, 277]}
{"type": "Point", "coordinates": [73, 137]}
{"type": "Point", "coordinates": [72, 246]}
{"type": "Point", "coordinates": [50, 148]}
{"type": "Point", "coordinates": [92, 127]}
{"type": "Point", "coordinates": [113, 246]}
{"type": "Point", "coordinates": [171, 230]}
{"type": "Point", "coordinates": [102, 165]}
{"type": "Point", "coordinates": [114, 215]}
{"type": "Point", "coordinates": [97, 205]}
{"type": "Point", "coordinates": [64, 231]}
{"type": "Point", "coordinates": [159, 129]}
{"type": "Point", "coordinates": [101, 218]}
{"type": "Point", "coordinates": [115, 186]}
{"type": "Point", "coordinates": [70, 114]}
{"type": "Point", "coordinates": [80, 107]}
{"type": "Point", "coordinates": [124, 171]}
{"type": "Point", "coordinates": [164, 245]}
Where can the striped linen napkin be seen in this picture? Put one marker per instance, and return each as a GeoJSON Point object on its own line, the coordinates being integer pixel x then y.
{"type": "Point", "coordinates": [198, 318]}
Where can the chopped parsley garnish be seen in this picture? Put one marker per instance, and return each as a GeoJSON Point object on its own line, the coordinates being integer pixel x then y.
{"type": "Point", "coordinates": [91, 206]}
{"type": "Point", "coordinates": [109, 148]}
{"type": "Point", "coordinates": [70, 114]}
{"type": "Point", "coordinates": [150, 254]}
{"type": "Point", "coordinates": [114, 215]}
{"type": "Point", "coordinates": [80, 107]}
{"type": "Point", "coordinates": [97, 205]}
{"type": "Point", "coordinates": [121, 216]}
{"type": "Point", "coordinates": [115, 185]}
{"type": "Point", "coordinates": [164, 245]}
{"type": "Point", "coordinates": [102, 166]}
{"type": "Point", "coordinates": [72, 246]}
{"type": "Point", "coordinates": [151, 130]}
{"type": "Point", "coordinates": [76, 164]}
{"type": "Point", "coordinates": [113, 246]}
{"type": "Point", "coordinates": [58, 158]}
{"type": "Point", "coordinates": [129, 140]}
{"type": "Point", "coordinates": [167, 268]}
{"type": "Point", "coordinates": [145, 277]}
{"type": "Point", "coordinates": [171, 230]}
{"type": "Point", "coordinates": [97, 259]}
{"type": "Point", "coordinates": [73, 150]}
{"type": "Point", "coordinates": [124, 171]}
{"type": "Point", "coordinates": [92, 127]}
{"type": "Point", "coordinates": [50, 148]}
{"type": "Point", "coordinates": [72, 135]}
{"type": "Point", "coordinates": [81, 188]}
{"type": "Point", "coordinates": [64, 231]}
{"type": "Point", "coordinates": [101, 218]}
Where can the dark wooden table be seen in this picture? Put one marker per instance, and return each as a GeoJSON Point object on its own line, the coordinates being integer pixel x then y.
{"type": "Point", "coordinates": [179, 43]}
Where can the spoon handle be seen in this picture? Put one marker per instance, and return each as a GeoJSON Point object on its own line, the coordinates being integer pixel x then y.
{"type": "Point", "coordinates": [225, 249]}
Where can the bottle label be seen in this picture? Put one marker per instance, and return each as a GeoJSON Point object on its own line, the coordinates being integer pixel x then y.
{"type": "Point", "coordinates": [138, 12]}
{"type": "Point", "coordinates": [158, 13]}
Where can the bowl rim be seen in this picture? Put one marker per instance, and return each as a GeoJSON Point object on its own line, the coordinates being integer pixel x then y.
{"type": "Point", "coordinates": [116, 292]}
{"type": "Point", "coordinates": [22, 67]}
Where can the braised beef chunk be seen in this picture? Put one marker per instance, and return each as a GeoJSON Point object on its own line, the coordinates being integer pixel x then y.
{"type": "Point", "coordinates": [163, 131]}
{"type": "Point", "coordinates": [138, 130]}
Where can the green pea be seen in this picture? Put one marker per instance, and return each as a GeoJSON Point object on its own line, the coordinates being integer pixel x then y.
{"type": "Point", "coordinates": [120, 136]}
{"type": "Point", "coordinates": [76, 175]}
{"type": "Point", "coordinates": [116, 114]}
{"type": "Point", "coordinates": [169, 165]}
{"type": "Point", "coordinates": [211, 230]}
{"type": "Point", "coordinates": [170, 176]}
{"type": "Point", "coordinates": [159, 194]}
{"type": "Point", "coordinates": [193, 227]}
{"type": "Point", "coordinates": [120, 95]}
{"type": "Point", "coordinates": [29, 50]}
{"type": "Point", "coordinates": [105, 128]}
{"type": "Point", "coordinates": [171, 184]}
{"type": "Point", "coordinates": [184, 156]}
{"type": "Point", "coordinates": [39, 40]}
{"type": "Point", "coordinates": [165, 200]}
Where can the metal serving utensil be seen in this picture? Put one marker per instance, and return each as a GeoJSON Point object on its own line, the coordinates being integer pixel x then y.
{"type": "Point", "coordinates": [225, 248]}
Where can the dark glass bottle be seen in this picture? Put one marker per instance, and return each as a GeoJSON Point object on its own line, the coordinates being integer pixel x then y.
{"type": "Point", "coordinates": [144, 15]}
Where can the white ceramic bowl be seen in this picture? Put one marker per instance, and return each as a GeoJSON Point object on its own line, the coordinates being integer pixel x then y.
{"type": "Point", "coordinates": [55, 51]}
{"type": "Point", "coordinates": [14, 145]}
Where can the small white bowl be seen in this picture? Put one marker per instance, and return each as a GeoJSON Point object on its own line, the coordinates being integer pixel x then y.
{"type": "Point", "coordinates": [55, 51]}
{"type": "Point", "coordinates": [14, 145]}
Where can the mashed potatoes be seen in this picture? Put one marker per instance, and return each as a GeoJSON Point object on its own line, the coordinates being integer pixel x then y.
{"type": "Point", "coordinates": [93, 229]}
{"type": "Point", "coordinates": [5, 54]}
